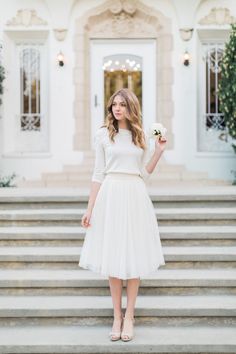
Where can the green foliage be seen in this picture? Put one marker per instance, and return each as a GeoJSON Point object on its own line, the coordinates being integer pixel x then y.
{"type": "Point", "coordinates": [227, 86]}
{"type": "Point", "coordinates": [2, 77]}
{"type": "Point", "coordinates": [6, 181]}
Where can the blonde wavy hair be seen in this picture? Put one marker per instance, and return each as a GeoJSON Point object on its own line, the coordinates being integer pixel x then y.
{"type": "Point", "coordinates": [133, 115]}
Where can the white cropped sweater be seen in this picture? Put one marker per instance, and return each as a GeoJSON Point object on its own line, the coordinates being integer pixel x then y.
{"type": "Point", "coordinates": [122, 156]}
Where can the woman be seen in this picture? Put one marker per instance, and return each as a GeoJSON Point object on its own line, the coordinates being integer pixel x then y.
{"type": "Point", "coordinates": [122, 239]}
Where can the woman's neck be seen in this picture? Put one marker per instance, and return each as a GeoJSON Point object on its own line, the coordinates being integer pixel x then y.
{"type": "Point", "coordinates": [123, 126]}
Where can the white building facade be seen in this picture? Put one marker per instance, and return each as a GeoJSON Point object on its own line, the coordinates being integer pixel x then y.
{"type": "Point", "coordinates": [50, 112]}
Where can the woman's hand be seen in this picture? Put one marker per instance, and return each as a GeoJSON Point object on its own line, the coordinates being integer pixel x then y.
{"type": "Point", "coordinates": [160, 143]}
{"type": "Point", "coordinates": [86, 219]}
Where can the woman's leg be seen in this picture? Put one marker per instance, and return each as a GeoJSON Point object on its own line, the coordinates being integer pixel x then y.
{"type": "Point", "coordinates": [132, 292]}
{"type": "Point", "coordinates": [116, 286]}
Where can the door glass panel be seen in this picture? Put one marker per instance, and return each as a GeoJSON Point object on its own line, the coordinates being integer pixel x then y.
{"type": "Point", "coordinates": [122, 71]}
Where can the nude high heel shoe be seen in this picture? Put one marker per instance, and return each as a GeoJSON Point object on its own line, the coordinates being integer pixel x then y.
{"type": "Point", "coordinates": [127, 335]}
{"type": "Point", "coordinates": [116, 335]}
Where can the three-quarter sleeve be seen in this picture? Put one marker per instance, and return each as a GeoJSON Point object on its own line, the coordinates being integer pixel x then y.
{"type": "Point", "coordinates": [145, 158]}
{"type": "Point", "coordinates": [99, 166]}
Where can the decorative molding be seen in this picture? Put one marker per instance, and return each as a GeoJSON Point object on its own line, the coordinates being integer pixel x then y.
{"type": "Point", "coordinates": [123, 5]}
{"type": "Point", "coordinates": [124, 25]}
{"type": "Point", "coordinates": [218, 16]}
{"type": "Point", "coordinates": [123, 19]}
{"type": "Point", "coordinates": [186, 33]}
{"type": "Point", "coordinates": [26, 18]}
{"type": "Point", "coordinates": [60, 34]}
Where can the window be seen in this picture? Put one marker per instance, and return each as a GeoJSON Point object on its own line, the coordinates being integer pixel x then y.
{"type": "Point", "coordinates": [26, 129]}
{"type": "Point", "coordinates": [30, 89]}
{"type": "Point", "coordinates": [214, 118]}
{"type": "Point", "coordinates": [32, 134]}
{"type": "Point", "coordinates": [212, 131]}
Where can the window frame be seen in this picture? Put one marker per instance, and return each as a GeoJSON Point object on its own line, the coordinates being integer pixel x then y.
{"type": "Point", "coordinates": [26, 145]}
{"type": "Point", "coordinates": [205, 36]}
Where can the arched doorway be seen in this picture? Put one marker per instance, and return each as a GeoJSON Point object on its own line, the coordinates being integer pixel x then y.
{"type": "Point", "coordinates": [120, 21]}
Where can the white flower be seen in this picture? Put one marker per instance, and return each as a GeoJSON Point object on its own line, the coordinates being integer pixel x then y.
{"type": "Point", "coordinates": [157, 129]}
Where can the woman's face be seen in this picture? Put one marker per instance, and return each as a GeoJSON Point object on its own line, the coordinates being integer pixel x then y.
{"type": "Point", "coordinates": [119, 108]}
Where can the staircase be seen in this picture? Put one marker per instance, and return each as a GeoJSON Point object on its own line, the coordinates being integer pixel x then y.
{"type": "Point", "coordinates": [49, 305]}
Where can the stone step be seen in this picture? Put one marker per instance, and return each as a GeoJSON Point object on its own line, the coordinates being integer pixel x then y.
{"type": "Point", "coordinates": [163, 167]}
{"type": "Point", "coordinates": [94, 339]}
{"type": "Point", "coordinates": [160, 178]}
{"type": "Point", "coordinates": [101, 306]}
{"type": "Point", "coordinates": [170, 193]}
{"type": "Point", "coordinates": [72, 254]}
{"type": "Point", "coordinates": [31, 184]}
{"type": "Point", "coordinates": [76, 232]}
{"type": "Point", "coordinates": [86, 174]}
{"type": "Point", "coordinates": [223, 214]}
{"type": "Point", "coordinates": [46, 233]}
{"type": "Point", "coordinates": [162, 171]}
{"type": "Point", "coordinates": [68, 236]}
{"type": "Point", "coordinates": [153, 183]}
{"type": "Point", "coordinates": [83, 202]}
{"type": "Point", "coordinates": [82, 278]}
{"type": "Point", "coordinates": [83, 180]}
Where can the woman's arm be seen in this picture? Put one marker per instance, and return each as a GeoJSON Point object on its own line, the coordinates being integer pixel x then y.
{"type": "Point", "coordinates": [149, 160]}
{"type": "Point", "coordinates": [97, 177]}
{"type": "Point", "coordinates": [95, 186]}
{"type": "Point", "coordinates": [159, 149]}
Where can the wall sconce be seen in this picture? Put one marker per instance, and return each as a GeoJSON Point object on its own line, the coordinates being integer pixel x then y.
{"type": "Point", "coordinates": [60, 59]}
{"type": "Point", "coordinates": [186, 35]}
{"type": "Point", "coordinates": [186, 58]}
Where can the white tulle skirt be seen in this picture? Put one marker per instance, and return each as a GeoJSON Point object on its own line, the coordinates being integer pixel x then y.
{"type": "Point", "coordinates": [123, 240]}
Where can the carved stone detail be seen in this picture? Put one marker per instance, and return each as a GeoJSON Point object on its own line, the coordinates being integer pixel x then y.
{"type": "Point", "coordinates": [60, 33]}
{"type": "Point", "coordinates": [116, 7]}
{"type": "Point", "coordinates": [123, 5]}
{"type": "Point", "coordinates": [123, 18]}
{"type": "Point", "coordinates": [26, 18]}
{"type": "Point", "coordinates": [123, 25]}
{"type": "Point", "coordinates": [218, 16]}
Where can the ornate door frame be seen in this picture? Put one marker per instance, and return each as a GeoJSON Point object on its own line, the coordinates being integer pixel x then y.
{"type": "Point", "coordinates": [121, 19]}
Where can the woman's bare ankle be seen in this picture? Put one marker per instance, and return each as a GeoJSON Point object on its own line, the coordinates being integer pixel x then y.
{"type": "Point", "coordinates": [118, 316]}
{"type": "Point", "coordinates": [129, 316]}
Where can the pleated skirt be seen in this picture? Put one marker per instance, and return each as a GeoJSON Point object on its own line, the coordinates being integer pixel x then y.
{"type": "Point", "coordinates": [123, 240]}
